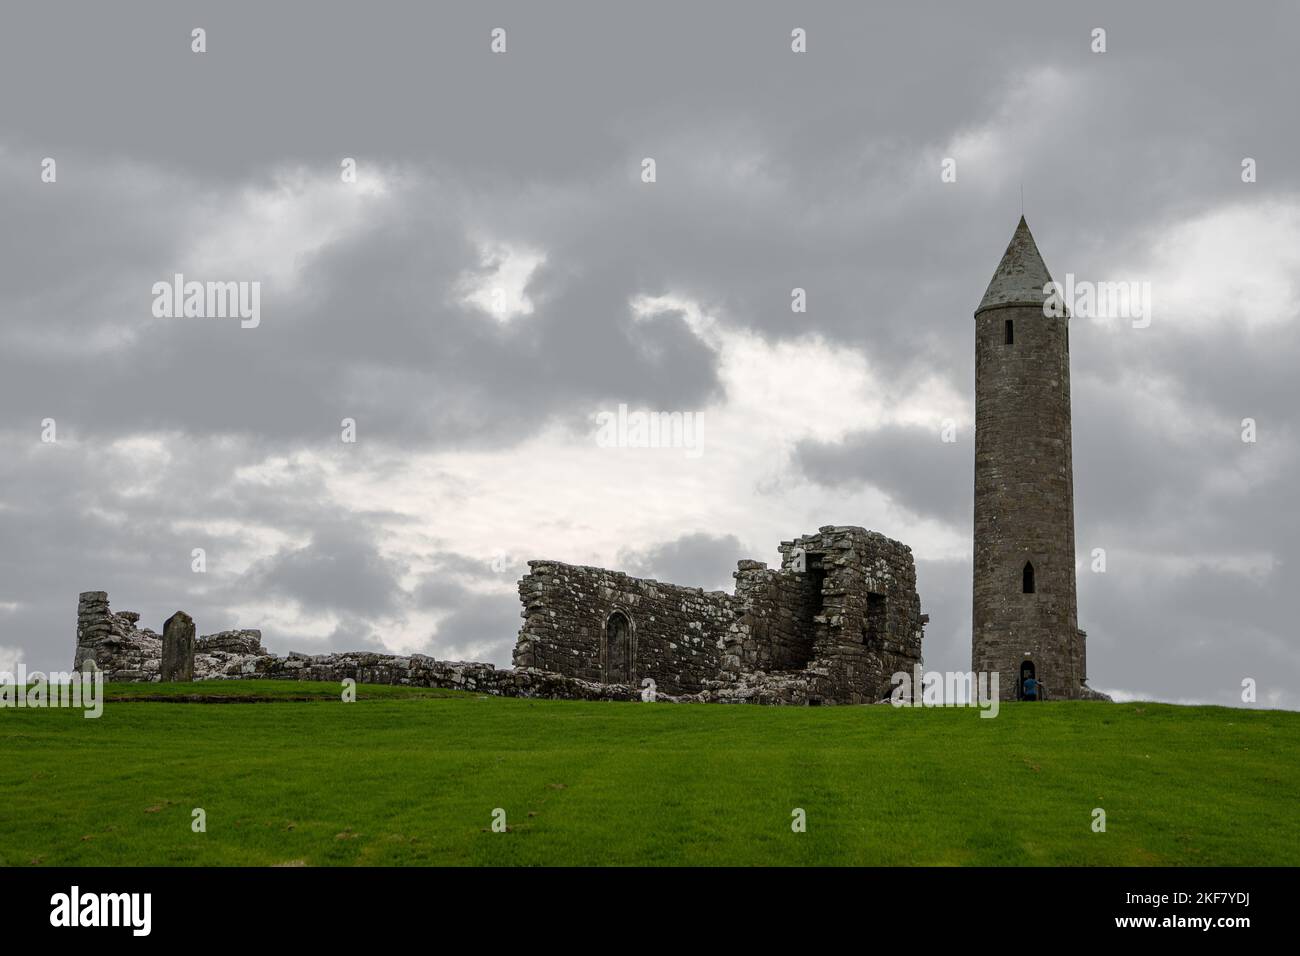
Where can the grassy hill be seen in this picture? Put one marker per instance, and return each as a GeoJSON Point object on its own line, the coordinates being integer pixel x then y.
{"type": "Point", "coordinates": [405, 776]}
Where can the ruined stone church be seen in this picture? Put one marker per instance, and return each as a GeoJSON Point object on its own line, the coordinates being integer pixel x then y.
{"type": "Point", "coordinates": [831, 625]}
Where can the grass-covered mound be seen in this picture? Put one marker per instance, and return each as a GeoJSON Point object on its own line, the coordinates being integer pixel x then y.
{"type": "Point", "coordinates": [290, 774]}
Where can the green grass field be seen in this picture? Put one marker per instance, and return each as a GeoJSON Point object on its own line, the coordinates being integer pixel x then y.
{"type": "Point", "coordinates": [406, 776]}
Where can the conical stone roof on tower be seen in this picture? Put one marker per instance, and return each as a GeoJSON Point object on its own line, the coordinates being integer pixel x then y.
{"type": "Point", "coordinates": [1021, 275]}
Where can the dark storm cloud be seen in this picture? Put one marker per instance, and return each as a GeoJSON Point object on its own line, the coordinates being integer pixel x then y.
{"type": "Point", "coordinates": [919, 471]}
{"type": "Point", "coordinates": [695, 560]}
{"type": "Point", "coordinates": [477, 625]}
{"type": "Point", "coordinates": [477, 602]}
{"type": "Point", "coordinates": [775, 171]}
{"type": "Point", "coordinates": [340, 569]}
{"type": "Point", "coordinates": [373, 335]}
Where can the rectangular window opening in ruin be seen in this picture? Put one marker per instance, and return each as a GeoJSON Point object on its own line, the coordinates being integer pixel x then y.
{"type": "Point", "coordinates": [815, 580]}
{"type": "Point", "coordinates": [1010, 333]}
{"type": "Point", "coordinates": [874, 623]}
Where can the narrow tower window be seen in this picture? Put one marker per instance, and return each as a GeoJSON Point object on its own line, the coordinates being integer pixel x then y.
{"type": "Point", "coordinates": [1028, 578]}
{"type": "Point", "coordinates": [1010, 332]}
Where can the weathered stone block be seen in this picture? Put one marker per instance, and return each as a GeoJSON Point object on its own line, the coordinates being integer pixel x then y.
{"type": "Point", "coordinates": [178, 648]}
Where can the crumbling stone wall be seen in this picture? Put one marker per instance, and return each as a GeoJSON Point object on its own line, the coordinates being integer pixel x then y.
{"type": "Point", "coordinates": [231, 642]}
{"type": "Point", "coordinates": [870, 625]}
{"type": "Point", "coordinates": [125, 652]}
{"type": "Point", "coordinates": [114, 644]}
{"type": "Point", "coordinates": [676, 632]}
{"type": "Point", "coordinates": [770, 632]}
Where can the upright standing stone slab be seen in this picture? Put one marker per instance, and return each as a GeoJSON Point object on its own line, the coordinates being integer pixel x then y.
{"type": "Point", "coordinates": [178, 647]}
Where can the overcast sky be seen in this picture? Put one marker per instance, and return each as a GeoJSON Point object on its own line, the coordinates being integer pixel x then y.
{"type": "Point", "coordinates": [499, 275]}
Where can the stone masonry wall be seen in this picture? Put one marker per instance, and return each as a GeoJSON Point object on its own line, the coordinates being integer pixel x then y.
{"type": "Point", "coordinates": [870, 625]}
{"type": "Point", "coordinates": [676, 632]}
{"type": "Point", "coordinates": [113, 643]}
{"type": "Point", "coordinates": [770, 632]}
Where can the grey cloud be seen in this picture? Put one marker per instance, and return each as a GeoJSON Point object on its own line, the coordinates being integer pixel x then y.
{"type": "Point", "coordinates": [945, 589]}
{"type": "Point", "coordinates": [919, 471]}
{"type": "Point", "coordinates": [698, 559]}
{"type": "Point", "coordinates": [340, 569]}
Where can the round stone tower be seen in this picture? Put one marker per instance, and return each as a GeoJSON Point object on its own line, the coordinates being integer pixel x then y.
{"type": "Point", "coordinates": [1025, 619]}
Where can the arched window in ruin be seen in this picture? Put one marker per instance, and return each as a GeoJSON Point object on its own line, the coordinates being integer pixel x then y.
{"type": "Point", "coordinates": [618, 649]}
{"type": "Point", "coordinates": [1027, 578]}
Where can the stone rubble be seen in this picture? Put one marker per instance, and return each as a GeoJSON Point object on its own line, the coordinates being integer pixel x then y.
{"type": "Point", "coordinates": [126, 653]}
